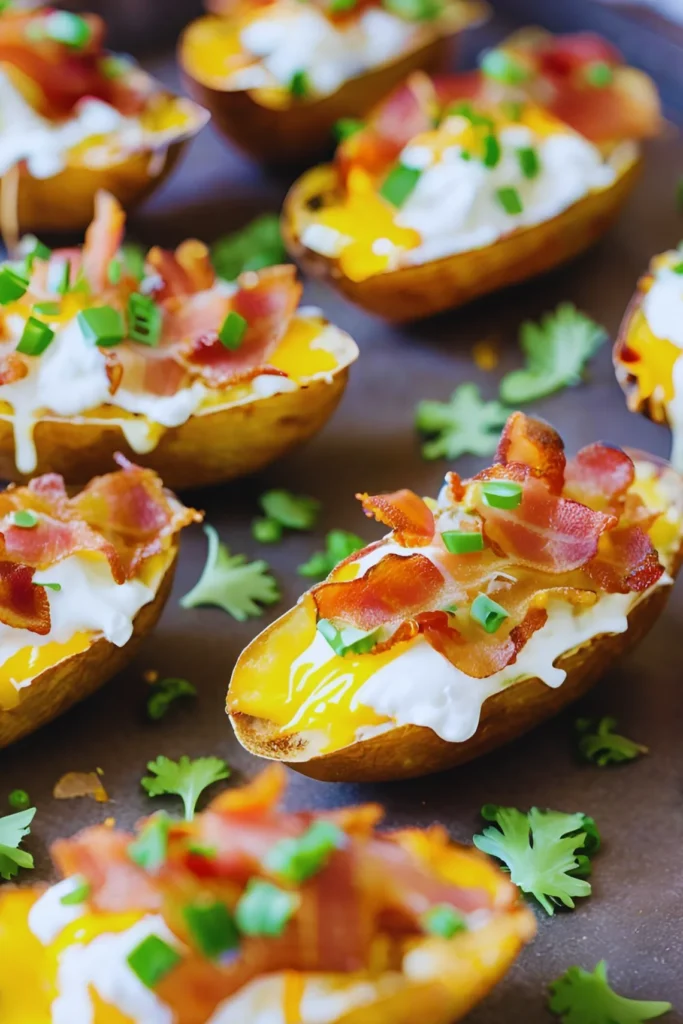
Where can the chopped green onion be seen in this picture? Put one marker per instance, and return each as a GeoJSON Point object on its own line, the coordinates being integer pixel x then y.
{"type": "Point", "coordinates": [212, 927]}
{"type": "Point", "coordinates": [114, 271]}
{"type": "Point", "coordinates": [444, 921]}
{"type": "Point", "coordinates": [133, 256]}
{"type": "Point", "coordinates": [232, 330]}
{"type": "Point", "coordinates": [451, 609]}
{"type": "Point", "coordinates": [61, 273]}
{"type": "Point", "coordinates": [165, 692]}
{"type": "Point", "coordinates": [297, 859]}
{"type": "Point", "coordinates": [487, 613]}
{"type": "Point", "coordinates": [510, 200]}
{"type": "Point", "coordinates": [102, 326]}
{"type": "Point", "coordinates": [25, 518]}
{"type": "Point", "coordinates": [47, 308]}
{"type": "Point", "coordinates": [35, 337]}
{"type": "Point", "coordinates": [349, 640]}
{"type": "Point", "coordinates": [76, 896]}
{"type": "Point", "coordinates": [152, 960]}
{"type": "Point", "coordinates": [339, 6]}
{"type": "Point", "coordinates": [346, 127]}
{"type": "Point", "coordinates": [150, 848]}
{"type": "Point", "coordinates": [399, 183]}
{"type": "Point", "coordinates": [264, 909]}
{"type": "Point", "coordinates": [144, 319]}
{"type": "Point", "coordinates": [295, 511]}
{"type": "Point", "coordinates": [466, 110]}
{"type": "Point", "coordinates": [678, 268]}
{"type": "Point", "coordinates": [502, 493]}
{"type": "Point", "coordinates": [462, 542]}
{"type": "Point", "coordinates": [12, 285]}
{"type": "Point", "coordinates": [38, 252]}
{"type": "Point", "coordinates": [49, 586]}
{"type": "Point", "coordinates": [113, 66]}
{"type": "Point", "coordinates": [415, 10]}
{"type": "Point", "coordinates": [513, 110]}
{"type": "Point", "coordinates": [599, 74]}
{"type": "Point", "coordinates": [69, 29]}
{"type": "Point", "coordinates": [529, 162]}
{"type": "Point", "coordinates": [19, 800]}
{"type": "Point", "coordinates": [503, 67]}
{"type": "Point", "coordinates": [266, 531]}
{"type": "Point", "coordinates": [492, 151]}
{"type": "Point", "coordinates": [299, 84]}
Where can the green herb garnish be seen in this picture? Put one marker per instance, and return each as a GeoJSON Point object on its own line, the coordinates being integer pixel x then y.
{"type": "Point", "coordinates": [415, 10]}
{"type": "Point", "coordinates": [264, 909]}
{"type": "Point", "coordinates": [47, 308]}
{"type": "Point", "coordinates": [35, 337]}
{"type": "Point", "coordinates": [510, 199]}
{"type": "Point", "coordinates": [257, 245]}
{"type": "Point", "coordinates": [462, 542]}
{"type": "Point", "coordinates": [346, 127]}
{"type": "Point", "coordinates": [492, 151]}
{"type": "Point", "coordinates": [166, 692]}
{"type": "Point", "coordinates": [501, 66]}
{"type": "Point", "coordinates": [152, 960]}
{"type": "Point", "coordinates": [297, 859]}
{"type": "Point", "coordinates": [144, 319]}
{"type": "Point", "coordinates": [529, 162]}
{"type": "Point", "coordinates": [300, 84]}
{"type": "Point", "coordinates": [444, 921]}
{"type": "Point", "coordinates": [102, 326]}
{"type": "Point", "coordinates": [399, 183]}
{"type": "Point", "coordinates": [133, 256]}
{"type": "Point", "coordinates": [48, 586]}
{"type": "Point", "coordinates": [26, 518]}
{"type": "Point", "coordinates": [348, 640]}
{"type": "Point", "coordinates": [465, 424]}
{"type": "Point", "coordinates": [339, 544]}
{"type": "Point", "coordinates": [77, 895]}
{"type": "Point", "coordinates": [266, 531]}
{"type": "Point", "coordinates": [579, 997]}
{"type": "Point", "coordinates": [599, 74]}
{"type": "Point", "coordinates": [556, 350]}
{"type": "Point", "coordinates": [232, 331]}
{"type": "Point", "coordinates": [232, 583]}
{"type": "Point", "coordinates": [19, 800]}
{"type": "Point", "coordinates": [184, 778]}
{"type": "Point", "coordinates": [293, 511]}
{"type": "Point", "coordinates": [12, 285]}
{"type": "Point", "coordinates": [150, 848]}
{"type": "Point", "coordinates": [502, 493]}
{"type": "Point", "coordinates": [599, 743]}
{"type": "Point", "coordinates": [487, 613]}
{"type": "Point", "coordinates": [14, 828]}
{"type": "Point", "coordinates": [69, 29]}
{"type": "Point", "coordinates": [212, 927]}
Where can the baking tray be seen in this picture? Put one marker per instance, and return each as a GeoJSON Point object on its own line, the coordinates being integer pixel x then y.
{"type": "Point", "coordinates": [634, 917]}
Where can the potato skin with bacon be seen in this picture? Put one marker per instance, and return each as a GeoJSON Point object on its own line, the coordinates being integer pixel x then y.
{"type": "Point", "coordinates": [410, 751]}
{"type": "Point", "coordinates": [411, 293]}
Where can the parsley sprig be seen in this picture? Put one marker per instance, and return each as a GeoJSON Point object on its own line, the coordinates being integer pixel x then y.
{"type": "Point", "coordinates": [546, 852]}
{"type": "Point", "coordinates": [257, 245]}
{"type": "Point", "coordinates": [232, 583]}
{"type": "Point", "coordinates": [599, 743]}
{"type": "Point", "coordinates": [284, 511]}
{"type": "Point", "coordinates": [165, 693]}
{"type": "Point", "coordinates": [557, 350]}
{"type": "Point", "coordinates": [465, 424]}
{"type": "Point", "coordinates": [339, 544]}
{"type": "Point", "coordinates": [184, 778]}
{"type": "Point", "coordinates": [14, 828]}
{"type": "Point", "coordinates": [579, 997]}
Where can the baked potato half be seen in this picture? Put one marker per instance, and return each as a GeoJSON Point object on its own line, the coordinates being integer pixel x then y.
{"type": "Point", "coordinates": [647, 352]}
{"type": "Point", "coordinates": [77, 119]}
{"type": "Point", "coordinates": [437, 963]}
{"type": "Point", "coordinates": [466, 626]}
{"type": "Point", "coordinates": [84, 579]}
{"type": "Point", "coordinates": [196, 378]}
{"type": "Point", "coordinates": [277, 77]}
{"type": "Point", "coordinates": [458, 186]}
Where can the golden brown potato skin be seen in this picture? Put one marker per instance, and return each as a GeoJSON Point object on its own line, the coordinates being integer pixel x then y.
{"type": "Point", "coordinates": [207, 449]}
{"type": "Point", "coordinates": [652, 406]}
{"type": "Point", "coordinates": [65, 202]}
{"type": "Point", "coordinates": [414, 292]}
{"type": "Point", "coordinates": [297, 135]}
{"type": "Point", "coordinates": [57, 689]}
{"type": "Point", "coordinates": [409, 751]}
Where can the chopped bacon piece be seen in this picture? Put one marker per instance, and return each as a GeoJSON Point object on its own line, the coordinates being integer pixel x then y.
{"type": "Point", "coordinates": [51, 541]}
{"type": "Point", "coordinates": [599, 476]}
{"type": "Point", "coordinates": [23, 605]}
{"type": "Point", "coordinates": [626, 562]}
{"type": "Point", "coordinates": [12, 368]}
{"type": "Point", "coordinates": [534, 443]}
{"type": "Point", "coordinates": [114, 370]}
{"type": "Point", "coordinates": [409, 516]}
{"type": "Point", "coordinates": [456, 488]}
{"type": "Point", "coordinates": [193, 256]}
{"type": "Point", "coordinates": [102, 240]}
{"type": "Point", "coordinates": [176, 281]}
{"type": "Point", "coordinates": [261, 794]}
{"type": "Point", "coordinates": [486, 654]}
{"type": "Point", "coordinates": [394, 589]}
{"type": "Point", "coordinates": [100, 854]}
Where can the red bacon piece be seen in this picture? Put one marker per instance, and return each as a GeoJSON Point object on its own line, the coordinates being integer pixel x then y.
{"type": "Point", "coordinates": [176, 280]}
{"type": "Point", "coordinates": [12, 368]}
{"type": "Point", "coordinates": [23, 605]}
{"type": "Point", "coordinates": [100, 854]}
{"type": "Point", "coordinates": [486, 654]}
{"type": "Point", "coordinates": [409, 517]}
{"type": "Point", "coordinates": [51, 541]}
{"type": "Point", "coordinates": [533, 443]}
{"type": "Point", "coordinates": [599, 476]}
{"type": "Point", "coordinates": [193, 256]}
{"type": "Point", "coordinates": [626, 562]}
{"type": "Point", "coordinates": [395, 589]}
{"type": "Point", "coordinates": [102, 240]}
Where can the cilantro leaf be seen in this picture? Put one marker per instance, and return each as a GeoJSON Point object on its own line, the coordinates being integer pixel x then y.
{"type": "Point", "coordinates": [556, 351]}
{"type": "Point", "coordinates": [13, 828]}
{"type": "Point", "coordinates": [464, 424]}
{"type": "Point", "coordinates": [339, 544]}
{"type": "Point", "coordinates": [231, 582]}
{"type": "Point", "coordinates": [165, 692]}
{"type": "Point", "coordinates": [600, 744]}
{"type": "Point", "coordinates": [184, 778]}
{"type": "Point", "coordinates": [257, 245]}
{"type": "Point", "coordinates": [547, 852]}
{"type": "Point", "coordinates": [295, 511]}
{"type": "Point", "coordinates": [579, 997]}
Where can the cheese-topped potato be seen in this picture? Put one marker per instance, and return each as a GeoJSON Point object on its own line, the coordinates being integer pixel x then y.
{"type": "Point", "coordinates": [82, 580]}
{"type": "Point", "coordinates": [76, 118]}
{"type": "Point", "coordinates": [277, 75]}
{"type": "Point", "coordinates": [478, 616]}
{"type": "Point", "coordinates": [197, 378]}
{"type": "Point", "coordinates": [648, 356]}
{"type": "Point", "coordinates": [249, 914]}
{"type": "Point", "coordinates": [456, 186]}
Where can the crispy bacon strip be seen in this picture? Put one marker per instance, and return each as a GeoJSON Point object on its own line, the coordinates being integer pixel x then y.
{"type": "Point", "coordinates": [22, 604]}
{"type": "Point", "coordinates": [51, 541]}
{"type": "Point", "coordinates": [103, 240]}
{"type": "Point", "coordinates": [533, 443]}
{"type": "Point", "coordinates": [100, 855]}
{"type": "Point", "coordinates": [409, 517]}
{"type": "Point", "coordinates": [12, 368]}
{"type": "Point", "coordinates": [626, 562]}
{"type": "Point", "coordinates": [599, 476]}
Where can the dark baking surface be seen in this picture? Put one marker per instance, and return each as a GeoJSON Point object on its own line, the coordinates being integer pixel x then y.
{"type": "Point", "coordinates": [634, 918]}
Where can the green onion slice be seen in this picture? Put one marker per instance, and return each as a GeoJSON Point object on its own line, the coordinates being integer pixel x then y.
{"type": "Point", "coordinates": [69, 29]}
{"type": "Point", "coordinates": [102, 325]}
{"type": "Point", "coordinates": [487, 613]}
{"type": "Point", "coordinates": [503, 67]}
{"type": "Point", "coordinates": [26, 518]}
{"type": "Point", "coordinates": [152, 960]}
{"type": "Point", "coordinates": [462, 542]}
{"type": "Point", "coordinates": [510, 200]}
{"type": "Point", "coordinates": [299, 858]}
{"type": "Point", "coordinates": [35, 337]}
{"type": "Point", "coordinates": [399, 183]}
{"type": "Point", "coordinates": [299, 85]}
{"type": "Point", "coordinates": [492, 151]}
{"type": "Point", "coordinates": [264, 909]}
{"type": "Point", "coordinates": [232, 330]}
{"type": "Point", "coordinates": [19, 800]}
{"type": "Point", "coordinates": [529, 162]}
{"type": "Point", "coordinates": [599, 74]}
{"type": "Point", "coordinates": [12, 285]}
{"type": "Point", "coordinates": [144, 319]}
{"type": "Point", "coordinates": [349, 640]}
{"type": "Point", "coordinates": [212, 927]}
{"type": "Point", "coordinates": [444, 921]}
{"type": "Point", "coordinates": [346, 127]}
{"type": "Point", "coordinates": [502, 493]}
{"type": "Point", "coordinates": [48, 586]}
{"type": "Point", "coordinates": [76, 896]}
{"type": "Point", "coordinates": [47, 308]}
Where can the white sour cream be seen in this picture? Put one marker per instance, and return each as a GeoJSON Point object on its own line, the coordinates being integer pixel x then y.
{"type": "Point", "coordinates": [295, 37]}
{"type": "Point", "coordinates": [48, 917]}
{"type": "Point", "coordinates": [663, 309]}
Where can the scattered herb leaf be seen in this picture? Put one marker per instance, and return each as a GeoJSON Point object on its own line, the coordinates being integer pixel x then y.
{"type": "Point", "coordinates": [255, 246]}
{"type": "Point", "coordinates": [184, 778]}
{"type": "Point", "coordinates": [296, 512]}
{"type": "Point", "coordinates": [339, 544]}
{"type": "Point", "coordinates": [14, 828]}
{"type": "Point", "coordinates": [599, 743]}
{"type": "Point", "coordinates": [165, 692]}
{"type": "Point", "coordinates": [579, 997]}
{"type": "Point", "coordinates": [465, 424]}
{"type": "Point", "coordinates": [232, 583]}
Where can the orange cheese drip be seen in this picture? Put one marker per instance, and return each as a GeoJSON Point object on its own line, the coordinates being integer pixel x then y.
{"type": "Point", "coordinates": [29, 662]}
{"type": "Point", "coordinates": [654, 367]}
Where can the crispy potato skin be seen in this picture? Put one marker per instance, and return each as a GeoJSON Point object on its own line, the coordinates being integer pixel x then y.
{"type": "Point", "coordinates": [65, 202]}
{"type": "Point", "coordinates": [410, 751]}
{"type": "Point", "coordinates": [652, 407]}
{"type": "Point", "coordinates": [297, 135]}
{"type": "Point", "coordinates": [207, 449]}
{"type": "Point", "coordinates": [414, 292]}
{"type": "Point", "coordinates": [70, 681]}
